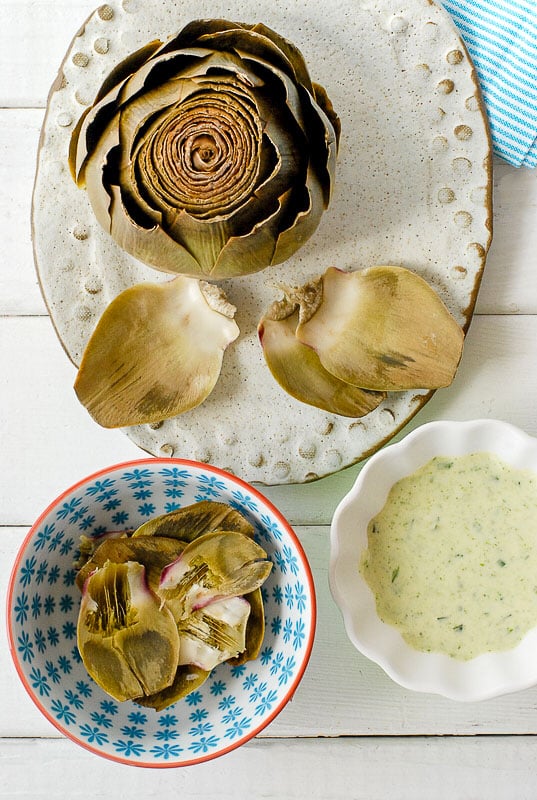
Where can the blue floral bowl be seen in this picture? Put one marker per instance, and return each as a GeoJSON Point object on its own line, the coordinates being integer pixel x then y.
{"type": "Point", "coordinates": [236, 702]}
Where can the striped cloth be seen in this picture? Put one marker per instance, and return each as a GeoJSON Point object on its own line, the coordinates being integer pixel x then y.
{"type": "Point", "coordinates": [501, 37]}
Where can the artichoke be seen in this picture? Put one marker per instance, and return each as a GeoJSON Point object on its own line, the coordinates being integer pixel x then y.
{"type": "Point", "coordinates": [160, 611]}
{"type": "Point", "coordinates": [212, 154]}
{"type": "Point", "coordinates": [342, 341]}
{"type": "Point", "coordinates": [156, 352]}
{"type": "Point", "coordinates": [189, 522]}
{"type": "Point", "coordinates": [128, 640]}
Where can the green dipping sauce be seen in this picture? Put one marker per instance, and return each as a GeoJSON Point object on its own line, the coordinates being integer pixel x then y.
{"type": "Point", "coordinates": [452, 556]}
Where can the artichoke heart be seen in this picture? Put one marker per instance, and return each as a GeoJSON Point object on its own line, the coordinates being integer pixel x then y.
{"type": "Point", "coordinates": [128, 642]}
{"type": "Point", "coordinates": [381, 329]}
{"type": "Point", "coordinates": [214, 633]}
{"type": "Point", "coordinates": [156, 352]}
{"type": "Point", "coordinates": [298, 370]}
{"type": "Point", "coordinates": [214, 566]}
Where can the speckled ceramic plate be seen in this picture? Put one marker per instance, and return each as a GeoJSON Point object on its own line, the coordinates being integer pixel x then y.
{"type": "Point", "coordinates": [413, 188]}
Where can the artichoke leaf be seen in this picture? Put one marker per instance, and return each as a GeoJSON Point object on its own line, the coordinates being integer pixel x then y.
{"type": "Point", "coordinates": [384, 329]}
{"type": "Point", "coordinates": [190, 522]}
{"type": "Point", "coordinates": [88, 545]}
{"type": "Point", "coordinates": [258, 43]}
{"type": "Point", "coordinates": [307, 203]}
{"type": "Point", "coordinates": [130, 65]}
{"type": "Point", "coordinates": [298, 370]}
{"type": "Point", "coordinates": [156, 352]}
{"type": "Point", "coordinates": [151, 241]}
{"type": "Point", "coordinates": [128, 642]}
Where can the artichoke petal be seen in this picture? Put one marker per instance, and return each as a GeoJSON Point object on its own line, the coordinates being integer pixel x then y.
{"type": "Point", "coordinates": [298, 370]}
{"type": "Point", "coordinates": [128, 642]}
{"type": "Point", "coordinates": [151, 241]}
{"type": "Point", "coordinates": [384, 329]}
{"type": "Point", "coordinates": [187, 678]}
{"type": "Point", "coordinates": [156, 352]}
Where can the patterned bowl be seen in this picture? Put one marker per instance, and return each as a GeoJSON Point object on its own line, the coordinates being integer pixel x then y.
{"type": "Point", "coordinates": [236, 702]}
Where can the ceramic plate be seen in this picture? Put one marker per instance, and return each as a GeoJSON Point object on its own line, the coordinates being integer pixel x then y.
{"type": "Point", "coordinates": [413, 188]}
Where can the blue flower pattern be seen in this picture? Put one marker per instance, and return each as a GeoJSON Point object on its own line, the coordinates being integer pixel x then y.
{"type": "Point", "coordinates": [235, 700]}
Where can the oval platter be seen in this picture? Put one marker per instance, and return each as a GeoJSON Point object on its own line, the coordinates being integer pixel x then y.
{"type": "Point", "coordinates": [413, 188]}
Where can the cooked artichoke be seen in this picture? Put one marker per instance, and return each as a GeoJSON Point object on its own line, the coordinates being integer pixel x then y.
{"type": "Point", "coordinates": [137, 592]}
{"type": "Point", "coordinates": [187, 678]}
{"type": "Point", "coordinates": [212, 154]}
{"type": "Point", "coordinates": [127, 639]}
{"type": "Point", "coordinates": [152, 552]}
{"type": "Point", "coordinates": [214, 566]}
{"type": "Point", "coordinates": [156, 352]}
{"type": "Point", "coordinates": [215, 633]}
{"type": "Point", "coordinates": [298, 370]}
{"type": "Point", "coordinates": [381, 329]}
{"type": "Point", "coordinates": [190, 522]}
{"type": "Point", "coordinates": [255, 629]}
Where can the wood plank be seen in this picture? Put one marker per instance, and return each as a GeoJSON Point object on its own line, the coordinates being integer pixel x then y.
{"type": "Point", "coordinates": [42, 419]}
{"type": "Point", "coordinates": [19, 135]}
{"type": "Point", "coordinates": [340, 769]}
{"type": "Point", "coordinates": [349, 694]}
{"type": "Point", "coordinates": [34, 38]}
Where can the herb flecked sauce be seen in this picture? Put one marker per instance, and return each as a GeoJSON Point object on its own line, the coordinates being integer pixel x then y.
{"type": "Point", "coordinates": [452, 557]}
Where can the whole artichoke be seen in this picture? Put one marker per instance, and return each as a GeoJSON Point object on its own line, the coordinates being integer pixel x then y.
{"type": "Point", "coordinates": [212, 154]}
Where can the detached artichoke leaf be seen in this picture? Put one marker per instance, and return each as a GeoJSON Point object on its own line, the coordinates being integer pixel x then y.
{"type": "Point", "coordinates": [128, 642]}
{"type": "Point", "coordinates": [383, 329]}
{"type": "Point", "coordinates": [156, 352]}
{"type": "Point", "coordinates": [214, 566]}
{"type": "Point", "coordinates": [154, 553]}
{"type": "Point", "coordinates": [298, 370]}
{"type": "Point", "coordinates": [190, 522]}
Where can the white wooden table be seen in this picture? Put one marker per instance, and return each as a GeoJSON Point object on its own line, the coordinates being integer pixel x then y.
{"type": "Point", "coordinates": [349, 732]}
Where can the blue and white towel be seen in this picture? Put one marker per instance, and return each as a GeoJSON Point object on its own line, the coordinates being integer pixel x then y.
{"type": "Point", "coordinates": [501, 37]}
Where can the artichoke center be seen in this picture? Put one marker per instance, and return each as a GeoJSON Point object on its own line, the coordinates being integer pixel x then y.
{"type": "Point", "coordinates": [206, 153]}
{"type": "Point", "coordinates": [203, 156]}
{"type": "Point", "coordinates": [112, 608]}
